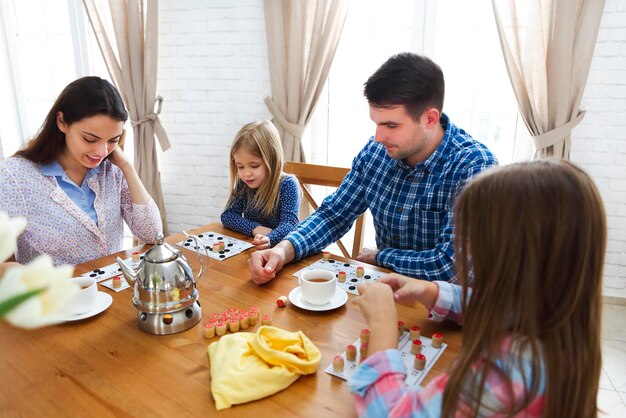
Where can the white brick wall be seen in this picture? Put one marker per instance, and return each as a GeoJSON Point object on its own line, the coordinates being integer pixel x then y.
{"type": "Point", "coordinates": [213, 74]}
{"type": "Point", "coordinates": [599, 142]}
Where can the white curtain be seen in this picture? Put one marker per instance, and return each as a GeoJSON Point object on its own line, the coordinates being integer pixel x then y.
{"type": "Point", "coordinates": [302, 38]}
{"type": "Point", "coordinates": [126, 31]}
{"type": "Point", "coordinates": [548, 46]}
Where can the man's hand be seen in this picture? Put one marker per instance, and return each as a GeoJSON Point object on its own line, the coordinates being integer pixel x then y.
{"type": "Point", "coordinates": [368, 255]}
{"type": "Point", "coordinates": [264, 265]}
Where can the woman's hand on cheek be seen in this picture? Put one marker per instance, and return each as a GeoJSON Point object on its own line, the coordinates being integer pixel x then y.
{"type": "Point", "coordinates": [119, 158]}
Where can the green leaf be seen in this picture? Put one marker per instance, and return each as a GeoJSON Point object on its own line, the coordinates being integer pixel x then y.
{"type": "Point", "coordinates": [9, 304]}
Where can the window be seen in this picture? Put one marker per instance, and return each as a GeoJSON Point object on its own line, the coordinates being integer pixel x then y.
{"type": "Point", "coordinates": [458, 35]}
{"type": "Point", "coordinates": [49, 43]}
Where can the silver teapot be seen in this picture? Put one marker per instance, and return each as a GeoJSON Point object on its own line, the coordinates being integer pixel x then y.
{"type": "Point", "coordinates": [165, 292]}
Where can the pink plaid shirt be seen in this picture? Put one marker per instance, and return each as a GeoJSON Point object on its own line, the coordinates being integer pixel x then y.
{"type": "Point", "coordinates": [58, 227]}
{"type": "Point", "coordinates": [379, 389]}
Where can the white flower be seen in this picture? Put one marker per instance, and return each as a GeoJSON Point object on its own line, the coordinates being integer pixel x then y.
{"type": "Point", "coordinates": [44, 308]}
{"type": "Point", "coordinates": [10, 229]}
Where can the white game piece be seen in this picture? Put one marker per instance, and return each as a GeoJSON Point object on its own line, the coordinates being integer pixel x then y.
{"type": "Point", "coordinates": [416, 347]}
{"type": "Point", "coordinates": [351, 352]}
{"type": "Point", "coordinates": [221, 328]}
{"type": "Point", "coordinates": [419, 362]}
{"type": "Point", "coordinates": [233, 325]}
{"type": "Point", "coordinates": [415, 333]}
{"type": "Point", "coordinates": [209, 330]}
{"type": "Point", "coordinates": [338, 363]}
{"type": "Point", "coordinates": [365, 335]}
{"type": "Point", "coordinates": [437, 340]}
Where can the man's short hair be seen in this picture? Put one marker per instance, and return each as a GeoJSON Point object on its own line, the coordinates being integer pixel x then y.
{"type": "Point", "coordinates": [406, 79]}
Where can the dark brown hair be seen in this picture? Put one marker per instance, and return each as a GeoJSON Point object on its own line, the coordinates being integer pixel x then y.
{"type": "Point", "coordinates": [82, 98]}
{"type": "Point", "coordinates": [530, 241]}
{"type": "Point", "coordinates": [407, 79]}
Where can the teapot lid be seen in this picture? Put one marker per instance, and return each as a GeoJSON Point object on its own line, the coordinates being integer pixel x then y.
{"type": "Point", "coordinates": [162, 252]}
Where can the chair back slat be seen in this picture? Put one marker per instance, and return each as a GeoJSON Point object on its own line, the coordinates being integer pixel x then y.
{"type": "Point", "coordinates": [321, 175]}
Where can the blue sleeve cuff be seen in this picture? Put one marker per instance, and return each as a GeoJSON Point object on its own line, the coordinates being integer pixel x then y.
{"type": "Point", "coordinates": [384, 257]}
{"type": "Point", "coordinates": [296, 243]}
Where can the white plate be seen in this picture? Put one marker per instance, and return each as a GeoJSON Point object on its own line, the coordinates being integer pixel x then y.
{"type": "Point", "coordinates": [103, 301]}
{"type": "Point", "coordinates": [340, 297]}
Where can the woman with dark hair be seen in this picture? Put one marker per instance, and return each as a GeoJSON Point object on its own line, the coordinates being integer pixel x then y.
{"type": "Point", "coordinates": [530, 240]}
{"type": "Point", "coordinates": [73, 182]}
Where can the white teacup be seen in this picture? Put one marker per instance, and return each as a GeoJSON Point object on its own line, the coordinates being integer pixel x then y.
{"type": "Point", "coordinates": [318, 286]}
{"type": "Point", "coordinates": [85, 300]}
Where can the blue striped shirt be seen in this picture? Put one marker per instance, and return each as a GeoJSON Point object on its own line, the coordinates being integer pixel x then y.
{"type": "Point", "coordinates": [411, 207]}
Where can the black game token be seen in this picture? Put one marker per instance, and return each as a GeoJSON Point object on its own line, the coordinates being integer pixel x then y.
{"type": "Point", "coordinates": [352, 287]}
{"type": "Point", "coordinates": [346, 265]}
{"type": "Point", "coordinates": [354, 280]}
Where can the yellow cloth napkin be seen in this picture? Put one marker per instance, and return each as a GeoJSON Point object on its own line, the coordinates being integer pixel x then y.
{"type": "Point", "coordinates": [246, 366]}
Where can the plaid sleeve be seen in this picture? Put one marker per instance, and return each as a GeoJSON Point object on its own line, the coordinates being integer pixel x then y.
{"type": "Point", "coordinates": [335, 216]}
{"type": "Point", "coordinates": [379, 389]}
{"type": "Point", "coordinates": [435, 264]}
{"type": "Point", "coordinates": [448, 304]}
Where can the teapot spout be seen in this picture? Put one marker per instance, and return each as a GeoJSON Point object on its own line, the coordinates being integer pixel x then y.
{"type": "Point", "coordinates": [129, 273]}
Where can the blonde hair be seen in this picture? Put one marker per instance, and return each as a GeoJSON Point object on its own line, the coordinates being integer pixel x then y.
{"type": "Point", "coordinates": [531, 238]}
{"type": "Point", "coordinates": [262, 140]}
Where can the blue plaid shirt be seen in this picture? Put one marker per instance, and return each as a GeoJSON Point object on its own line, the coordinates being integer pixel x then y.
{"type": "Point", "coordinates": [411, 207]}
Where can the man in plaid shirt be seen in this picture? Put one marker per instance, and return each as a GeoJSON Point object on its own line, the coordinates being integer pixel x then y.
{"type": "Point", "coordinates": [407, 175]}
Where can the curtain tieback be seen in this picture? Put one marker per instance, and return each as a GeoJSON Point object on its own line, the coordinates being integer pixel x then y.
{"type": "Point", "coordinates": [294, 129]}
{"type": "Point", "coordinates": [555, 135]}
{"type": "Point", "coordinates": [149, 116]}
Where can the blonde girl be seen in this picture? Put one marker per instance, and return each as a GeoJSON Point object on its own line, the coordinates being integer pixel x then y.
{"type": "Point", "coordinates": [263, 201]}
{"type": "Point", "coordinates": [529, 248]}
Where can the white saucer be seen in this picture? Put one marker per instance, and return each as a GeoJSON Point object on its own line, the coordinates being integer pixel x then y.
{"type": "Point", "coordinates": [103, 301]}
{"type": "Point", "coordinates": [340, 297]}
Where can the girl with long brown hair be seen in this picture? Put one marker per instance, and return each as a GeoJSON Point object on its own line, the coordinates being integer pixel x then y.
{"type": "Point", "coordinates": [530, 241]}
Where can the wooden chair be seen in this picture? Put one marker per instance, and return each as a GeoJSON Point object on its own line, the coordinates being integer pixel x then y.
{"type": "Point", "coordinates": [322, 175]}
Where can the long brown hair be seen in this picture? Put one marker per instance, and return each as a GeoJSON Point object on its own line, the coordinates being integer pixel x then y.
{"type": "Point", "coordinates": [82, 98]}
{"type": "Point", "coordinates": [261, 139]}
{"type": "Point", "coordinates": [530, 241]}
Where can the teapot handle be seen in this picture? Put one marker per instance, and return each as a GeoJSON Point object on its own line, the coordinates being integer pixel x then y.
{"type": "Point", "coordinates": [199, 244]}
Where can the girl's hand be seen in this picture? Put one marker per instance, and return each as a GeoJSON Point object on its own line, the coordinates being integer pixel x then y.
{"type": "Point", "coordinates": [261, 242]}
{"type": "Point", "coordinates": [378, 308]}
{"type": "Point", "coordinates": [407, 289]}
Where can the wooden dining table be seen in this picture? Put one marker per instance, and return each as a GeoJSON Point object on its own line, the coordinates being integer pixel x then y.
{"type": "Point", "coordinates": [106, 366]}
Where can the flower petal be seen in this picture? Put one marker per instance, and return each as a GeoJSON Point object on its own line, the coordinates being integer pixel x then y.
{"type": "Point", "coordinates": [10, 229]}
